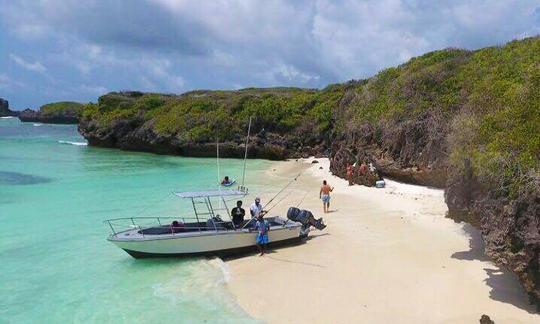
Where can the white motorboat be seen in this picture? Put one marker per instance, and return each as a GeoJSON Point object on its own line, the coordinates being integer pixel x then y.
{"type": "Point", "coordinates": [209, 232]}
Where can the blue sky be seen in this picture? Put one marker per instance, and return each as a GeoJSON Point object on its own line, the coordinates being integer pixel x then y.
{"type": "Point", "coordinates": [53, 50]}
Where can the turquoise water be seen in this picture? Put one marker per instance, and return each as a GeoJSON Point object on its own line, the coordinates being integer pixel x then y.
{"type": "Point", "coordinates": [55, 263]}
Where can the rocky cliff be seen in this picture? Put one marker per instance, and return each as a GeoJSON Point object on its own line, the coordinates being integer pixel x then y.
{"type": "Point", "coordinates": [285, 122]}
{"type": "Point", "coordinates": [466, 121]}
{"type": "Point", "coordinates": [4, 109]}
{"type": "Point", "coordinates": [65, 112]}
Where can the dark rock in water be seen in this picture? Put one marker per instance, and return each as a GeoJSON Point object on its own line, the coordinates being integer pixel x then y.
{"type": "Point", "coordinates": [65, 112]}
{"type": "Point", "coordinates": [486, 320]}
{"type": "Point", "coordinates": [138, 133]}
{"type": "Point", "coordinates": [132, 136]}
{"type": "Point", "coordinates": [314, 161]}
{"type": "Point", "coordinates": [29, 115]}
{"type": "Point", "coordinates": [4, 109]}
{"type": "Point", "coordinates": [16, 178]}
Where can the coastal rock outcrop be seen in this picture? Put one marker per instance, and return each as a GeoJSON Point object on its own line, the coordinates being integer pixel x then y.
{"type": "Point", "coordinates": [411, 150]}
{"type": "Point", "coordinates": [510, 225]}
{"type": "Point", "coordinates": [131, 136]}
{"type": "Point", "coordinates": [4, 109]}
{"type": "Point", "coordinates": [65, 112]}
{"type": "Point", "coordinates": [190, 124]}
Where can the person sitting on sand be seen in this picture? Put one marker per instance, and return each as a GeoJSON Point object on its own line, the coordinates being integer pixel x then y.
{"type": "Point", "coordinates": [324, 194]}
{"type": "Point", "coordinates": [363, 169]}
{"type": "Point", "coordinates": [349, 174]}
{"type": "Point", "coordinates": [226, 181]}
{"type": "Point", "coordinates": [262, 227]}
{"type": "Point", "coordinates": [256, 208]}
{"type": "Point", "coordinates": [238, 214]}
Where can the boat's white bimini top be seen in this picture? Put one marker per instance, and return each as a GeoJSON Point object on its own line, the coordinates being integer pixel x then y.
{"type": "Point", "coordinates": [210, 193]}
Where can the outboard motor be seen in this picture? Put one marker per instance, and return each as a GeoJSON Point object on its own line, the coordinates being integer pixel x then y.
{"type": "Point", "coordinates": [305, 217]}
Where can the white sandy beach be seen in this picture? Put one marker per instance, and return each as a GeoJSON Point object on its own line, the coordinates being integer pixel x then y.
{"type": "Point", "coordinates": [387, 256]}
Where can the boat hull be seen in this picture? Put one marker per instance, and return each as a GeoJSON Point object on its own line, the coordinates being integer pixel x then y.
{"type": "Point", "coordinates": [210, 243]}
{"type": "Point", "coordinates": [219, 253]}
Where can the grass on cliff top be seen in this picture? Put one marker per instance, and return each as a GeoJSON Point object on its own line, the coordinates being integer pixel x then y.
{"type": "Point", "coordinates": [490, 96]}
{"type": "Point", "coordinates": [62, 108]}
{"type": "Point", "coordinates": [199, 115]}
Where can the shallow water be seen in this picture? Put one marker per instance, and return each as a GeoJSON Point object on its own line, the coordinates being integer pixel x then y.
{"type": "Point", "coordinates": [55, 263]}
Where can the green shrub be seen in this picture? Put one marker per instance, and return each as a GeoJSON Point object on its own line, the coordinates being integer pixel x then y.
{"type": "Point", "coordinates": [62, 108]}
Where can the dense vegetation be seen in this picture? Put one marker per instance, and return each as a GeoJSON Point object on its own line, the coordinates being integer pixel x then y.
{"type": "Point", "coordinates": [200, 116]}
{"type": "Point", "coordinates": [490, 98]}
{"type": "Point", "coordinates": [62, 108]}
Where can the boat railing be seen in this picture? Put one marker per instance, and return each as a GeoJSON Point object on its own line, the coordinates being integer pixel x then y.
{"type": "Point", "coordinates": [123, 224]}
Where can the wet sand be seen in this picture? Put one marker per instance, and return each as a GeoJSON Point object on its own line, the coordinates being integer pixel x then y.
{"type": "Point", "coordinates": [387, 256]}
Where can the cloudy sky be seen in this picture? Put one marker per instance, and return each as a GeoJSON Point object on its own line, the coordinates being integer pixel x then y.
{"type": "Point", "coordinates": [54, 50]}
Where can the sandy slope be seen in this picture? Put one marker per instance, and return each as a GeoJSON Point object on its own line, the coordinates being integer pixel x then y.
{"type": "Point", "coordinates": [387, 256]}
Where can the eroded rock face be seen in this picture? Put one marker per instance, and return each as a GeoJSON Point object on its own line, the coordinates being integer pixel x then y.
{"type": "Point", "coordinates": [510, 226]}
{"type": "Point", "coordinates": [29, 115]}
{"type": "Point", "coordinates": [136, 136]}
{"type": "Point", "coordinates": [412, 151]}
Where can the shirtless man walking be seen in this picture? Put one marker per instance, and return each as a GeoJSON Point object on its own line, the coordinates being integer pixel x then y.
{"type": "Point", "coordinates": [324, 194]}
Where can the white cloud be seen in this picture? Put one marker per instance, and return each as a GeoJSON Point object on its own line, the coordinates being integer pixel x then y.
{"type": "Point", "coordinates": [176, 45]}
{"type": "Point", "coordinates": [30, 66]}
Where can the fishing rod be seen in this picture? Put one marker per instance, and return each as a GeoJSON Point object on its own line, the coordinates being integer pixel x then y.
{"type": "Point", "coordinates": [245, 153]}
{"type": "Point", "coordinates": [297, 205]}
{"type": "Point", "coordinates": [282, 189]}
{"type": "Point", "coordinates": [301, 200]}
{"type": "Point", "coordinates": [217, 161]}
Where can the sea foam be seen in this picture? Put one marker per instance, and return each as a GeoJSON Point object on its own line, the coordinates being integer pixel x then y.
{"type": "Point", "coordinates": [73, 143]}
{"type": "Point", "coordinates": [222, 266]}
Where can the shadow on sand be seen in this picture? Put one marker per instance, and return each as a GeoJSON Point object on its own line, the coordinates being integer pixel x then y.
{"type": "Point", "coordinates": [504, 285]}
{"type": "Point", "coordinates": [273, 249]}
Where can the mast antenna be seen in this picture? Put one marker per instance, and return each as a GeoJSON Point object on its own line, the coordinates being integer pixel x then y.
{"type": "Point", "coordinates": [245, 153]}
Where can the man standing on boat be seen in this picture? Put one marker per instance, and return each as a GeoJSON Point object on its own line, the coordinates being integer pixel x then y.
{"type": "Point", "coordinates": [256, 208]}
{"type": "Point", "coordinates": [238, 214]}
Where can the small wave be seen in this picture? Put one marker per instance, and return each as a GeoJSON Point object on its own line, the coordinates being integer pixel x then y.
{"type": "Point", "coordinates": [7, 117]}
{"type": "Point", "coordinates": [73, 143]}
{"type": "Point", "coordinates": [219, 264]}
{"type": "Point", "coordinates": [36, 124]}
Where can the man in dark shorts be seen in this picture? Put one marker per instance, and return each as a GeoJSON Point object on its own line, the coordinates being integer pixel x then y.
{"type": "Point", "coordinates": [238, 214]}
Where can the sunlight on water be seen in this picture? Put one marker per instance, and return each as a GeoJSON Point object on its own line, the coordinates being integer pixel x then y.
{"type": "Point", "coordinates": [55, 263]}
